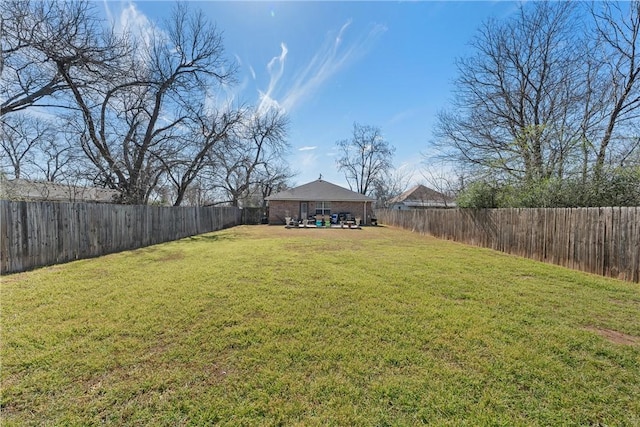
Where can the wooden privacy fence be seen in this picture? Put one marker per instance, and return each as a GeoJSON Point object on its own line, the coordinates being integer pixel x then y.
{"type": "Point", "coordinates": [603, 241]}
{"type": "Point", "coordinates": [34, 234]}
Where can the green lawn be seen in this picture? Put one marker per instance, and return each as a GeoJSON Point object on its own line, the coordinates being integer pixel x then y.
{"type": "Point", "coordinates": [266, 326]}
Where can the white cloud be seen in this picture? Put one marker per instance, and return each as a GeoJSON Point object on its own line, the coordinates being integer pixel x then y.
{"type": "Point", "coordinates": [275, 68]}
{"type": "Point", "coordinates": [107, 10]}
{"type": "Point", "coordinates": [402, 116]}
{"type": "Point", "coordinates": [238, 59]}
{"type": "Point", "coordinates": [136, 23]}
{"type": "Point", "coordinates": [335, 54]}
{"type": "Point", "coordinates": [308, 160]}
{"type": "Point", "coordinates": [328, 60]}
{"type": "Point", "coordinates": [129, 20]}
{"type": "Point", "coordinates": [307, 148]}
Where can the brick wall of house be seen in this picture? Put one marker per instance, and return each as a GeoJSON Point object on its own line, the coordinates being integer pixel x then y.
{"type": "Point", "coordinates": [279, 209]}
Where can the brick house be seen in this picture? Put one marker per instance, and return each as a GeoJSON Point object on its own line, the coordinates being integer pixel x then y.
{"type": "Point", "coordinates": [318, 198]}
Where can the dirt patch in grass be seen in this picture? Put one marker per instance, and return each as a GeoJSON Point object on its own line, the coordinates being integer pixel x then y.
{"type": "Point", "coordinates": [624, 303]}
{"type": "Point", "coordinates": [173, 256]}
{"type": "Point", "coordinates": [12, 278]}
{"type": "Point", "coordinates": [615, 336]}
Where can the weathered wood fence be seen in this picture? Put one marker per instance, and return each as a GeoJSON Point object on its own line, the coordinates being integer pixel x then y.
{"type": "Point", "coordinates": [34, 234]}
{"type": "Point", "coordinates": [603, 241]}
{"type": "Point", "coordinates": [252, 216]}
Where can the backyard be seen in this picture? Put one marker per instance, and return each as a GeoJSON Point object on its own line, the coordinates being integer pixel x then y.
{"type": "Point", "coordinates": [259, 325]}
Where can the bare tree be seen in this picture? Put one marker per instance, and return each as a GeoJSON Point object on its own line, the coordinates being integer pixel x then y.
{"type": "Point", "coordinates": [194, 154]}
{"type": "Point", "coordinates": [41, 38]}
{"type": "Point", "coordinates": [61, 159]}
{"type": "Point", "coordinates": [135, 106]}
{"type": "Point", "coordinates": [21, 139]}
{"type": "Point", "coordinates": [547, 106]}
{"type": "Point", "coordinates": [391, 184]}
{"type": "Point", "coordinates": [618, 33]}
{"type": "Point", "coordinates": [130, 123]}
{"type": "Point", "coordinates": [444, 182]}
{"type": "Point", "coordinates": [274, 177]}
{"type": "Point", "coordinates": [365, 158]}
{"type": "Point", "coordinates": [516, 95]}
{"type": "Point", "coordinates": [252, 156]}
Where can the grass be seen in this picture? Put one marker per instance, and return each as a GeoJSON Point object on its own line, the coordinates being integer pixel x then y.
{"type": "Point", "coordinates": [266, 326]}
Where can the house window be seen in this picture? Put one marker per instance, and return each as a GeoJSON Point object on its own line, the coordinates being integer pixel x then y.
{"type": "Point", "coordinates": [323, 208]}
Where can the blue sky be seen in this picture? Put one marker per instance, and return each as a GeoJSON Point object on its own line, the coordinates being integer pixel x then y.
{"type": "Point", "coordinates": [330, 64]}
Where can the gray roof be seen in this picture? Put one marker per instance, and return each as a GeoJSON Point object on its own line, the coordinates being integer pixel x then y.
{"type": "Point", "coordinates": [20, 189]}
{"type": "Point", "coordinates": [320, 191]}
{"type": "Point", "coordinates": [420, 195]}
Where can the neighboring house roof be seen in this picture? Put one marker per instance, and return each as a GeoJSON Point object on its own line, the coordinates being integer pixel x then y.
{"type": "Point", "coordinates": [20, 189]}
{"type": "Point", "coordinates": [320, 191]}
{"type": "Point", "coordinates": [421, 196]}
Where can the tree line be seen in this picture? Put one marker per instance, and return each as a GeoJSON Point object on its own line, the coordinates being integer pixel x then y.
{"type": "Point", "coordinates": [545, 109]}
{"type": "Point", "coordinates": [142, 114]}
{"type": "Point", "coordinates": [545, 113]}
